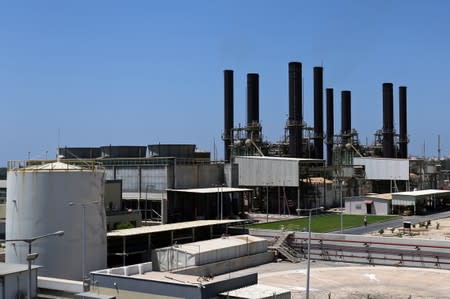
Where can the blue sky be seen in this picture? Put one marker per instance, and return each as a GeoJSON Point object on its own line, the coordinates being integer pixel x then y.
{"type": "Point", "coordinates": [92, 73]}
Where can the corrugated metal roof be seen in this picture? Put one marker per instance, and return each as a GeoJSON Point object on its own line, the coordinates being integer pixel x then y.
{"type": "Point", "coordinates": [167, 227]}
{"type": "Point", "coordinates": [423, 192]}
{"type": "Point", "coordinates": [211, 190]}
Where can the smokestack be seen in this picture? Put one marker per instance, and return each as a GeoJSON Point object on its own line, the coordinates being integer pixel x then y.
{"type": "Point", "coordinates": [330, 125]}
{"type": "Point", "coordinates": [388, 121]}
{"type": "Point", "coordinates": [346, 116]}
{"type": "Point", "coordinates": [295, 121]}
{"type": "Point", "coordinates": [228, 113]}
{"type": "Point", "coordinates": [252, 105]}
{"type": "Point", "coordinates": [403, 138]}
{"type": "Point", "coordinates": [318, 112]}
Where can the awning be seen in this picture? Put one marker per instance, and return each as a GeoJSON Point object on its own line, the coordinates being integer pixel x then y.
{"type": "Point", "coordinates": [368, 201]}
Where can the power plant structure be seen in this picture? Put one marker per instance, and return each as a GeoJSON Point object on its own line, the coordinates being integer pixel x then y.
{"type": "Point", "coordinates": [302, 141]}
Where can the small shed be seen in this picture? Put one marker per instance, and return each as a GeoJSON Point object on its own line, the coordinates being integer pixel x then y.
{"type": "Point", "coordinates": [375, 204]}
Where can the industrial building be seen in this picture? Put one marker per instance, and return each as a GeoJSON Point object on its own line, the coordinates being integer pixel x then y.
{"type": "Point", "coordinates": [192, 270]}
{"type": "Point", "coordinates": [347, 160]}
{"type": "Point", "coordinates": [176, 203]}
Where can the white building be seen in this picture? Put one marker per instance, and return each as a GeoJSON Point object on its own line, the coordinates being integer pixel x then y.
{"type": "Point", "coordinates": [375, 204]}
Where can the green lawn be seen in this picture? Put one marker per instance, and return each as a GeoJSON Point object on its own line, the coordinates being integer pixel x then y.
{"type": "Point", "coordinates": [323, 223]}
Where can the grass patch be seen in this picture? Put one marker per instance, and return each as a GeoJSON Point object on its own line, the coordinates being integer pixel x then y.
{"type": "Point", "coordinates": [323, 223]}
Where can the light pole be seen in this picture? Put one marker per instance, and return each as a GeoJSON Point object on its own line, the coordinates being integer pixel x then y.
{"type": "Point", "coordinates": [83, 239]}
{"type": "Point", "coordinates": [267, 203]}
{"type": "Point", "coordinates": [309, 245]}
{"type": "Point", "coordinates": [32, 256]}
{"type": "Point", "coordinates": [221, 202]}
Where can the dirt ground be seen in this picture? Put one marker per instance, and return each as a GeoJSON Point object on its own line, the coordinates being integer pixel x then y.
{"type": "Point", "coordinates": [437, 230]}
{"type": "Point", "coordinates": [340, 280]}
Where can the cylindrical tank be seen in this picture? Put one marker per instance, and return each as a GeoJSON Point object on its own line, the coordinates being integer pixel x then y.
{"type": "Point", "coordinates": [53, 197]}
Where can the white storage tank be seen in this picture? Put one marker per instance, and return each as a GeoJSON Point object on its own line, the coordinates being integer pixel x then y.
{"type": "Point", "coordinates": [57, 197]}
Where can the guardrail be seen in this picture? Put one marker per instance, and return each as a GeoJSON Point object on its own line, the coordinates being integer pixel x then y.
{"type": "Point", "coordinates": [386, 251]}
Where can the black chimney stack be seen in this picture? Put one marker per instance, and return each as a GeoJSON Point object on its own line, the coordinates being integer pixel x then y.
{"type": "Point", "coordinates": [346, 116]}
{"type": "Point", "coordinates": [295, 121]}
{"type": "Point", "coordinates": [403, 138]}
{"type": "Point", "coordinates": [252, 105]}
{"type": "Point", "coordinates": [318, 112]}
{"type": "Point", "coordinates": [388, 120]}
{"type": "Point", "coordinates": [330, 125]}
{"type": "Point", "coordinates": [228, 113]}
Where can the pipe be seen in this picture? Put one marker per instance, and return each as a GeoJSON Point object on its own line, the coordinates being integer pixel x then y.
{"type": "Point", "coordinates": [253, 106]}
{"type": "Point", "coordinates": [330, 125]}
{"type": "Point", "coordinates": [295, 121]}
{"type": "Point", "coordinates": [403, 138]}
{"type": "Point", "coordinates": [346, 116]}
{"type": "Point", "coordinates": [318, 112]}
{"type": "Point", "coordinates": [228, 113]}
{"type": "Point", "coordinates": [388, 121]}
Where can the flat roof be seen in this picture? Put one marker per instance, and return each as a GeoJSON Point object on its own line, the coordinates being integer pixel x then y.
{"type": "Point", "coordinates": [142, 196]}
{"type": "Point", "coordinates": [256, 291]}
{"type": "Point", "coordinates": [423, 192]}
{"type": "Point", "coordinates": [283, 159]}
{"type": "Point", "coordinates": [143, 230]}
{"type": "Point", "coordinates": [211, 190]}
{"type": "Point", "coordinates": [7, 268]}
{"type": "Point", "coordinates": [215, 244]}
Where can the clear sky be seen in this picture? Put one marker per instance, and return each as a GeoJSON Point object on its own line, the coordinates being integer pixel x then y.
{"type": "Point", "coordinates": [92, 73]}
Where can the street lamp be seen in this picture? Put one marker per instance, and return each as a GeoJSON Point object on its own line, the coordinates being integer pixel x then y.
{"type": "Point", "coordinates": [32, 256]}
{"type": "Point", "coordinates": [309, 244]}
{"type": "Point", "coordinates": [83, 239]}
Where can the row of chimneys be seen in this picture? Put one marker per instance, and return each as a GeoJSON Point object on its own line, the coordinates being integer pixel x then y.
{"type": "Point", "coordinates": [295, 121]}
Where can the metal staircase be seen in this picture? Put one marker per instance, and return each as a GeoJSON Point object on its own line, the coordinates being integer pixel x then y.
{"type": "Point", "coordinates": [282, 246]}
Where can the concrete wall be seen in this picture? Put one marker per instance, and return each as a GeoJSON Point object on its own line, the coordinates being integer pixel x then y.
{"type": "Point", "coordinates": [229, 265]}
{"type": "Point", "coordinates": [387, 251]}
{"type": "Point", "coordinates": [124, 287]}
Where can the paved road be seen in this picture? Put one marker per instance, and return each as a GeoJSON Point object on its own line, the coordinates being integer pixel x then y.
{"type": "Point", "coordinates": [393, 223]}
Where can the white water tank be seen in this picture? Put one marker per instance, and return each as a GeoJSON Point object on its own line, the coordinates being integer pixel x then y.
{"type": "Point", "coordinates": [53, 197]}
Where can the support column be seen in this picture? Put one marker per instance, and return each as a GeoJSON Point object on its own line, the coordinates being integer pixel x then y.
{"type": "Point", "coordinates": [124, 252]}
{"type": "Point", "coordinates": [149, 248]}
